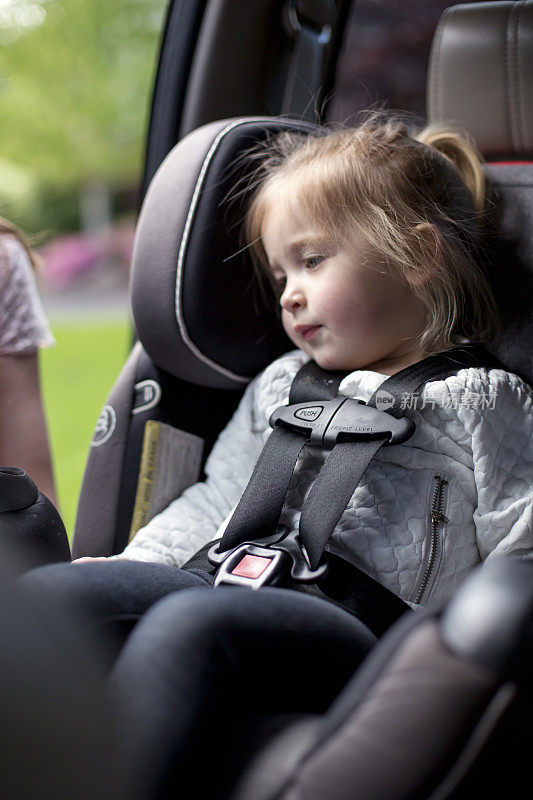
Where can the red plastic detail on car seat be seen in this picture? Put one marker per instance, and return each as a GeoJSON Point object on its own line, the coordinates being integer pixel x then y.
{"type": "Point", "coordinates": [251, 566]}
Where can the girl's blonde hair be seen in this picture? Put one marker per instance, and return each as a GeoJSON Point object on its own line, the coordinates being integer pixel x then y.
{"type": "Point", "coordinates": [417, 198]}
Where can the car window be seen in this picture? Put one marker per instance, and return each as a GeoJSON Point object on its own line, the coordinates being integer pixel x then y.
{"type": "Point", "coordinates": [384, 57]}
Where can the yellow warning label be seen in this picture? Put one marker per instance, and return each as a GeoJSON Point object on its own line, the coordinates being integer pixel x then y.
{"type": "Point", "coordinates": [145, 483]}
{"type": "Point", "coordinates": [170, 462]}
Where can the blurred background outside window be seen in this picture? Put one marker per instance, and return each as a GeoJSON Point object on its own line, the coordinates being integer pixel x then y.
{"type": "Point", "coordinates": [75, 86]}
{"type": "Point", "coordinates": [384, 57]}
{"type": "Point", "coordinates": [75, 82]}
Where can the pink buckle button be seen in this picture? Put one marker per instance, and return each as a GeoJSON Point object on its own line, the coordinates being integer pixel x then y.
{"type": "Point", "coordinates": [251, 566]}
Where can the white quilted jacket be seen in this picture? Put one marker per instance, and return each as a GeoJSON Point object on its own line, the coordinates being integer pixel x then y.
{"type": "Point", "coordinates": [427, 511]}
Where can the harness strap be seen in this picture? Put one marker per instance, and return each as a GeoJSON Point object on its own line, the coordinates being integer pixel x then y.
{"type": "Point", "coordinates": [347, 462]}
{"type": "Point", "coordinates": [312, 383]}
{"type": "Point", "coordinates": [330, 493]}
{"type": "Point", "coordinates": [356, 592]}
{"type": "Point", "coordinates": [257, 512]}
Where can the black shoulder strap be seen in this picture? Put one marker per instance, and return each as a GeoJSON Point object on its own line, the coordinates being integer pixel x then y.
{"type": "Point", "coordinates": [432, 368]}
{"type": "Point", "coordinates": [257, 513]}
{"type": "Point", "coordinates": [312, 383]}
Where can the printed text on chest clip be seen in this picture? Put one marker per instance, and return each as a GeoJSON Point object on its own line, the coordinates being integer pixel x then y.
{"type": "Point", "coordinates": [342, 419]}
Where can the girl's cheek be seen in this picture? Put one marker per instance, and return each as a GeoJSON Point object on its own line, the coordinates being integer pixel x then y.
{"type": "Point", "coordinates": [285, 323]}
{"type": "Point", "coordinates": [344, 307]}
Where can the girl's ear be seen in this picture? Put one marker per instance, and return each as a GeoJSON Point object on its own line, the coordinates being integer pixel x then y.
{"type": "Point", "coordinates": [428, 243]}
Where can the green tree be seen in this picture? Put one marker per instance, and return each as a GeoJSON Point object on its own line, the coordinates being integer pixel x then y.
{"type": "Point", "coordinates": [75, 85]}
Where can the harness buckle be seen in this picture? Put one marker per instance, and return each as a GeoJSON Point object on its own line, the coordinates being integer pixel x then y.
{"type": "Point", "coordinates": [254, 565]}
{"type": "Point", "coordinates": [342, 419]}
{"type": "Point", "coordinates": [249, 565]}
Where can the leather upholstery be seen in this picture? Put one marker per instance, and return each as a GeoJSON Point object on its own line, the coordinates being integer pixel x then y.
{"type": "Point", "coordinates": [509, 263]}
{"type": "Point", "coordinates": [490, 620]}
{"type": "Point", "coordinates": [479, 80]}
{"type": "Point", "coordinates": [480, 75]}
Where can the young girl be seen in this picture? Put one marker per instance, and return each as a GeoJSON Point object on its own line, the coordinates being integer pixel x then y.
{"type": "Point", "coordinates": [370, 239]}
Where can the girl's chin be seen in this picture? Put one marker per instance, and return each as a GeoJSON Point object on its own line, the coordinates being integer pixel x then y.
{"type": "Point", "coordinates": [330, 363]}
{"type": "Point", "coordinates": [334, 363]}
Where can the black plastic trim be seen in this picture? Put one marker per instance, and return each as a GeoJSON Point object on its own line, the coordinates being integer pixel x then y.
{"type": "Point", "coordinates": [178, 43]}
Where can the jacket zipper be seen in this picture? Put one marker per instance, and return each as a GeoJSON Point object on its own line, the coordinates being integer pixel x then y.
{"type": "Point", "coordinates": [436, 518]}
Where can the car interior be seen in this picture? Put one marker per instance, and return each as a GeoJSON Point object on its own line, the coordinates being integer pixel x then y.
{"type": "Point", "coordinates": [442, 706]}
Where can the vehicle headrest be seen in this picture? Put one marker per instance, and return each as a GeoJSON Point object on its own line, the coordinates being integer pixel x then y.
{"type": "Point", "coordinates": [196, 305]}
{"type": "Point", "coordinates": [480, 74]}
{"type": "Point", "coordinates": [479, 80]}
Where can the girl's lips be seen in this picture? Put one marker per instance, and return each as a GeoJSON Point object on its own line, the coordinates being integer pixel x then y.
{"type": "Point", "coordinates": [307, 331]}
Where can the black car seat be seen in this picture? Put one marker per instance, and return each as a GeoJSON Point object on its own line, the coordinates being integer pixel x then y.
{"type": "Point", "coordinates": [204, 327]}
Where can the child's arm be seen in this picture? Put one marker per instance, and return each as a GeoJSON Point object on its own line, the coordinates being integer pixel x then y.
{"type": "Point", "coordinates": [502, 449]}
{"type": "Point", "coordinates": [23, 431]}
{"type": "Point", "coordinates": [195, 517]}
{"type": "Point", "coordinates": [23, 330]}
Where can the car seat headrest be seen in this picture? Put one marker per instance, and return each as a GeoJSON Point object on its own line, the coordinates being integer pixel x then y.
{"type": "Point", "coordinates": [479, 75]}
{"type": "Point", "coordinates": [196, 304]}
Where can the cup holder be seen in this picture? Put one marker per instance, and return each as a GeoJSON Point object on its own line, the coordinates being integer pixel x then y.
{"type": "Point", "coordinates": [17, 490]}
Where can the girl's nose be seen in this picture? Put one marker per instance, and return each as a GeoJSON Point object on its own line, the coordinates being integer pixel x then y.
{"type": "Point", "coordinates": [292, 299]}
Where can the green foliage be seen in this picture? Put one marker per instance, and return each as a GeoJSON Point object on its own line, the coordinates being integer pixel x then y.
{"type": "Point", "coordinates": [51, 208]}
{"type": "Point", "coordinates": [77, 376]}
{"type": "Point", "coordinates": [74, 94]}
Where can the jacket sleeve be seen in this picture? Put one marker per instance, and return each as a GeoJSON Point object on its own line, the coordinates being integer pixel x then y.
{"type": "Point", "coordinates": [192, 520]}
{"type": "Point", "coordinates": [502, 451]}
{"type": "Point", "coordinates": [195, 518]}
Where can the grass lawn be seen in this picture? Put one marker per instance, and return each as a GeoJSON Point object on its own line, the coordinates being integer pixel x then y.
{"type": "Point", "coordinates": [77, 376]}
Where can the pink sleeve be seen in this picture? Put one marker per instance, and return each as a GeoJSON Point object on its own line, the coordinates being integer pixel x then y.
{"type": "Point", "coordinates": [23, 325]}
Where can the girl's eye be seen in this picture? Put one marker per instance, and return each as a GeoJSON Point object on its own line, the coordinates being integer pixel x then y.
{"type": "Point", "coordinates": [313, 261]}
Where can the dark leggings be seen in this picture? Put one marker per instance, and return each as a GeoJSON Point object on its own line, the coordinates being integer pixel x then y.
{"type": "Point", "coordinates": [206, 675]}
{"type": "Point", "coordinates": [206, 671]}
{"type": "Point", "coordinates": [112, 596]}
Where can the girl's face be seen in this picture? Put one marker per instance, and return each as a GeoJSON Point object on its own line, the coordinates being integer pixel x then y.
{"type": "Point", "coordinates": [336, 304]}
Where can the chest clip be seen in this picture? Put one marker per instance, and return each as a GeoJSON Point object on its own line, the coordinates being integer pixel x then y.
{"type": "Point", "coordinates": [341, 420]}
{"type": "Point", "coordinates": [279, 559]}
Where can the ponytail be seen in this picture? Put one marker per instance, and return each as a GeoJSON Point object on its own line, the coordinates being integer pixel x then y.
{"type": "Point", "coordinates": [461, 152]}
